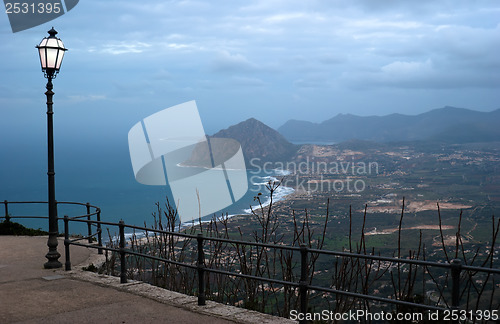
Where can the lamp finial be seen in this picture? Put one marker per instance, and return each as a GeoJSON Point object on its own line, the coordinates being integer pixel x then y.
{"type": "Point", "coordinates": [52, 32]}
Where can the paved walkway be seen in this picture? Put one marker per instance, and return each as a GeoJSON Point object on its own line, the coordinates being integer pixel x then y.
{"type": "Point", "coordinates": [31, 294]}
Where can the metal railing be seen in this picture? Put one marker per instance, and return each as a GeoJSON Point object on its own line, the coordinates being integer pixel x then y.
{"type": "Point", "coordinates": [455, 266]}
{"type": "Point", "coordinates": [91, 211]}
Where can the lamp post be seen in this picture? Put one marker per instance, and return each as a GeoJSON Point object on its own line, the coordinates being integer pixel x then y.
{"type": "Point", "coordinates": [51, 50]}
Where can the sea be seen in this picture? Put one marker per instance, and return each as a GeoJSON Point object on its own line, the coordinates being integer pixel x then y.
{"type": "Point", "coordinates": [104, 178]}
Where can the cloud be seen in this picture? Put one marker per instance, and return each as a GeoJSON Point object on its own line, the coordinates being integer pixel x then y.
{"type": "Point", "coordinates": [227, 62]}
{"type": "Point", "coordinates": [417, 8]}
{"type": "Point", "coordinates": [177, 46]}
{"type": "Point", "coordinates": [400, 69]}
{"type": "Point", "coordinates": [121, 48]}
{"type": "Point", "coordinates": [420, 75]}
{"type": "Point", "coordinates": [467, 45]}
{"type": "Point", "coordinates": [312, 81]}
{"type": "Point", "coordinates": [162, 75]}
{"type": "Point", "coordinates": [84, 98]}
{"type": "Point", "coordinates": [286, 17]}
{"type": "Point", "coordinates": [247, 81]}
{"type": "Point", "coordinates": [382, 24]}
{"type": "Point", "coordinates": [329, 58]}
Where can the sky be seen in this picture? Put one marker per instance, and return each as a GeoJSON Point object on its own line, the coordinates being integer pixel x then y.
{"type": "Point", "coordinates": [273, 60]}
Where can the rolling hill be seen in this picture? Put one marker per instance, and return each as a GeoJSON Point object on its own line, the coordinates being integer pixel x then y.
{"type": "Point", "coordinates": [448, 124]}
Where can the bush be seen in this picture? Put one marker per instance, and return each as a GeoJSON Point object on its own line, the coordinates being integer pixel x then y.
{"type": "Point", "coordinates": [12, 228]}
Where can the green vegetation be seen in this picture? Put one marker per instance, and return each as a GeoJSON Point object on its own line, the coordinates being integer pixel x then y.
{"type": "Point", "coordinates": [91, 267]}
{"type": "Point", "coordinates": [11, 228]}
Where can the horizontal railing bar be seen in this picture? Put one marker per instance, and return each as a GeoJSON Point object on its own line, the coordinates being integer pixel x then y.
{"type": "Point", "coordinates": [86, 237]}
{"type": "Point", "coordinates": [142, 228]}
{"type": "Point", "coordinates": [381, 299]}
{"type": "Point", "coordinates": [45, 202]}
{"type": "Point", "coordinates": [212, 270]}
{"type": "Point", "coordinates": [380, 258]}
{"type": "Point", "coordinates": [480, 269]}
{"type": "Point", "coordinates": [93, 246]}
{"type": "Point", "coordinates": [272, 246]}
{"type": "Point", "coordinates": [182, 264]}
{"type": "Point", "coordinates": [76, 240]}
{"type": "Point", "coordinates": [91, 221]}
{"type": "Point", "coordinates": [217, 239]}
{"type": "Point", "coordinates": [24, 202]}
{"type": "Point", "coordinates": [82, 216]}
{"type": "Point", "coordinates": [77, 203]}
{"type": "Point", "coordinates": [25, 216]}
{"type": "Point", "coordinates": [58, 218]}
{"type": "Point", "coordinates": [46, 217]}
{"type": "Point", "coordinates": [282, 282]}
{"type": "Point", "coordinates": [79, 239]}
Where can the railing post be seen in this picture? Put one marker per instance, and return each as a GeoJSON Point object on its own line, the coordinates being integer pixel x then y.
{"type": "Point", "coordinates": [99, 234]}
{"type": "Point", "coordinates": [303, 282]}
{"type": "Point", "coordinates": [456, 267]}
{"type": "Point", "coordinates": [89, 225]}
{"type": "Point", "coordinates": [123, 266]}
{"type": "Point", "coordinates": [201, 271]}
{"type": "Point", "coordinates": [66, 243]}
{"type": "Point", "coordinates": [7, 217]}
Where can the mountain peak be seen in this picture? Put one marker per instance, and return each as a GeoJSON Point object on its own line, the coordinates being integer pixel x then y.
{"type": "Point", "coordinates": [258, 141]}
{"type": "Point", "coordinates": [252, 120]}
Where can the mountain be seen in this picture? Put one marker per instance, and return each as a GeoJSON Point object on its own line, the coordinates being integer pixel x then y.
{"type": "Point", "coordinates": [471, 132]}
{"type": "Point", "coordinates": [259, 141]}
{"type": "Point", "coordinates": [448, 124]}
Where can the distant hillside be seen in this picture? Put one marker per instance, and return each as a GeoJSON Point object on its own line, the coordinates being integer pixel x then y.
{"type": "Point", "coordinates": [472, 132]}
{"type": "Point", "coordinates": [456, 125]}
{"type": "Point", "coordinates": [259, 141]}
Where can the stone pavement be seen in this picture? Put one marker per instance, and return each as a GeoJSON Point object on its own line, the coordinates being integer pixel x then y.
{"type": "Point", "coordinates": [31, 294]}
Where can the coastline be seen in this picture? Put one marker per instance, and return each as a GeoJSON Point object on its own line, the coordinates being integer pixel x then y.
{"type": "Point", "coordinates": [281, 195]}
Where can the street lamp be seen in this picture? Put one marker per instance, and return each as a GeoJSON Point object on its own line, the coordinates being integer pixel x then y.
{"type": "Point", "coordinates": [51, 50]}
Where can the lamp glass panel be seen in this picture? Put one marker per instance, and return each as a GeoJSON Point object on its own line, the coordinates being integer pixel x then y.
{"type": "Point", "coordinates": [51, 57]}
{"type": "Point", "coordinates": [42, 57]}
{"type": "Point", "coordinates": [59, 59]}
{"type": "Point", "coordinates": [52, 42]}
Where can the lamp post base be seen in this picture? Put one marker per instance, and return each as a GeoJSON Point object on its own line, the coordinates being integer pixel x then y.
{"type": "Point", "coordinates": [52, 256]}
{"type": "Point", "coordinates": [53, 262]}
